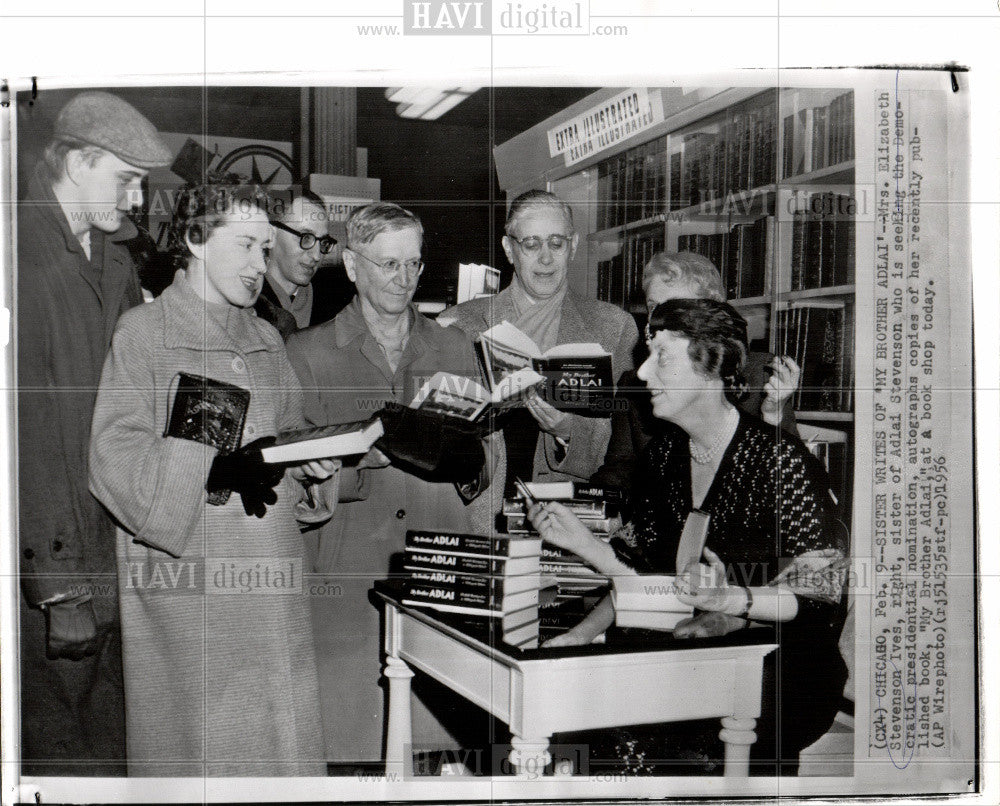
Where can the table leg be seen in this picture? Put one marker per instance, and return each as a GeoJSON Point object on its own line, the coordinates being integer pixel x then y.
{"type": "Point", "coordinates": [737, 733]}
{"type": "Point", "coordinates": [399, 734]}
{"type": "Point", "coordinates": [529, 757]}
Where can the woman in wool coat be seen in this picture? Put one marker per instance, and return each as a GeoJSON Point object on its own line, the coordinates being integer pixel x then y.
{"type": "Point", "coordinates": [220, 672]}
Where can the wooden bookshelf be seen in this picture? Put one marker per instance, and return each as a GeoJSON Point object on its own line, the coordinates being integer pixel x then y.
{"type": "Point", "coordinates": [761, 185]}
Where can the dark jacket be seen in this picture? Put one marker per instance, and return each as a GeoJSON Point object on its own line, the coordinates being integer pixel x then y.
{"type": "Point", "coordinates": [332, 292]}
{"type": "Point", "coordinates": [67, 307]}
{"type": "Point", "coordinates": [268, 308]}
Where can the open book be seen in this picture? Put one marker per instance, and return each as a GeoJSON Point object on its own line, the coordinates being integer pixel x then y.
{"type": "Point", "coordinates": [458, 396]}
{"type": "Point", "coordinates": [576, 375]}
{"type": "Point", "coordinates": [476, 280]}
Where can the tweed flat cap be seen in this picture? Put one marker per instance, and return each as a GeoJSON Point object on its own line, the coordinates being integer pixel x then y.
{"type": "Point", "coordinates": [106, 121]}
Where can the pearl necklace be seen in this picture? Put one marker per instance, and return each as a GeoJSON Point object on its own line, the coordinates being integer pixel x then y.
{"type": "Point", "coordinates": [708, 455]}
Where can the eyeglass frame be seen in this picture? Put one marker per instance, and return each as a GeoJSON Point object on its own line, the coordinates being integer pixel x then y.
{"type": "Point", "coordinates": [547, 240]}
{"type": "Point", "coordinates": [304, 236]}
{"type": "Point", "coordinates": [390, 273]}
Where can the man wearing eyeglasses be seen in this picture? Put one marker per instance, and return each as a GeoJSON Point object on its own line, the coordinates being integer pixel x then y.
{"type": "Point", "coordinates": [301, 241]}
{"type": "Point", "coordinates": [543, 443]}
{"type": "Point", "coordinates": [377, 349]}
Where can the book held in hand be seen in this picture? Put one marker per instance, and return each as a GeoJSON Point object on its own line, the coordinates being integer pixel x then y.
{"type": "Point", "coordinates": [648, 601]}
{"type": "Point", "coordinates": [577, 376]}
{"type": "Point", "coordinates": [458, 396]}
{"type": "Point", "coordinates": [210, 412]}
{"type": "Point", "coordinates": [323, 442]}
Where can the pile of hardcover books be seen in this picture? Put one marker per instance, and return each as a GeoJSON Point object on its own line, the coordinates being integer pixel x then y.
{"type": "Point", "coordinates": [495, 581]}
{"type": "Point", "coordinates": [597, 507]}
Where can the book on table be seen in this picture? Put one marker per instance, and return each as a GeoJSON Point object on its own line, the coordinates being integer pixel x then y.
{"type": "Point", "coordinates": [323, 442]}
{"type": "Point", "coordinates": [574, 376]}
{"type": "Point", "coordinates": [455, 600]}
{"type": "Point", "coordinates": [427, 560]}
{"type": "Point", "coordinates": [493, 586]}
{"type": "Point", "coordinates": [496, 545]}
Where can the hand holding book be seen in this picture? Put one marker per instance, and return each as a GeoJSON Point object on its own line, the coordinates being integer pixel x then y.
{"type": "Point", "coordinates": [548, 417]}
{"type": "Point", "coordinates": [244, 471]}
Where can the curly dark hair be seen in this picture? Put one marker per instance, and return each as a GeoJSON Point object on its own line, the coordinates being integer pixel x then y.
{"type": "Point", "coordinates": [203, 207]}
{"type": "Point", "coordinates": [718, 336]}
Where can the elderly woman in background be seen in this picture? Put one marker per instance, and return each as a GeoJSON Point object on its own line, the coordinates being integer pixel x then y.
{"type": "Point", "coordinates": [771, 379]}
{"type": "Point", "coordinates": [220, 672]}
{"type": "Point", "coordinates": [769, 529]}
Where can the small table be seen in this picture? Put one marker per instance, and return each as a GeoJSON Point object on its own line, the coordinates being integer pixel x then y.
{"type": "Point", "coordinates": [545, 691]}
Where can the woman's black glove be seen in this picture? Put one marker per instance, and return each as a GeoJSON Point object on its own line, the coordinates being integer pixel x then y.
{"type": "Point", "coordinates": [244, 471]}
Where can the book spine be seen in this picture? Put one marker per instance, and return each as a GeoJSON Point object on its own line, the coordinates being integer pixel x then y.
{"type": "Point", "coordinates": [520, 525]}
{"type": "Point", "coordinates": [582, 509]}
{"type": "Point", "coordinates": [488, 601]}
{"type": "Point", "coordinates": [473, 583]}
{"type": "Point", "coordinates": [459, 543]}
{"type": "Point", "coordinates": [458, 563]}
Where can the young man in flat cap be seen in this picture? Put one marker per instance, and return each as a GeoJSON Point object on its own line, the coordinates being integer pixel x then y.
{"type": "Point", "coordinates": [74, 279]}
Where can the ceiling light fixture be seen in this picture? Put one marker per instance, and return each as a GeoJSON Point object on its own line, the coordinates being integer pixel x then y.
{"type": "Point", "coordinates": [425, 103]}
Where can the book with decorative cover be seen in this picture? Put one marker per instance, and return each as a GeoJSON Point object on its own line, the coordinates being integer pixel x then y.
{"type": "Point", "coordinates": [210, 412]}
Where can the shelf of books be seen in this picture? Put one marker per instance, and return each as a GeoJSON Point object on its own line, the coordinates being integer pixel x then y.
{"type": "Point", "coordinates": [765, 189]}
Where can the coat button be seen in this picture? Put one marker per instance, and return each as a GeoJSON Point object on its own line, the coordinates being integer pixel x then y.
{"type": "Point", "coordinates": [29, 554]}
{"type": "Point", "coordinates": [401, 513]}
{"type": "Point", "coordinates": [239, 365]}
{"type": "Point", "coordinates": [57, 545]}
{"type": "Point", "coordinates": [251, 431]}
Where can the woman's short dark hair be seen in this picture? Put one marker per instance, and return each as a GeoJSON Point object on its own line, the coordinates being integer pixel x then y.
{"type": "Point", "coordinates": [718, 336]}
{"type": "Point", "coordinates": [204, 207]}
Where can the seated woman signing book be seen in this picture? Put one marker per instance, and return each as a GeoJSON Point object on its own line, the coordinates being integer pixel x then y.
{"type": "Point", "coordinates": [220, 672]}
{"type": "Point", "coordinates": [771, 550]}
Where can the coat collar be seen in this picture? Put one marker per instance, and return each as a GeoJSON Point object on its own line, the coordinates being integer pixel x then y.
{"type": "Point", "coordinates": [42, 198]}
{"type": "Point", "coordinates": [191, 322]}
{"type": "Point", "coordinates": [573, 325]}
{"type": "Point", "coordinates": [351, 329]}
{"type": "Point", "coordinates": [351, 326]}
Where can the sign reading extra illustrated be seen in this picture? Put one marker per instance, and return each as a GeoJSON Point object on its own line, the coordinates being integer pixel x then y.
{"type": "Point", "coordinates": [606, 124]}
{"type": "Point", "coordinates": [441, 17]}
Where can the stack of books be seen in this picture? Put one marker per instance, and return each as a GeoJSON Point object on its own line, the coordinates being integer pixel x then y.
{"type": "Point", "coordinates": [598, 508]}
{"type": "Point", "coordinates": [496, 580]}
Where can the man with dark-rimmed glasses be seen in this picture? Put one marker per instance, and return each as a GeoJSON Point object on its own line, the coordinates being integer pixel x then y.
{"type": "Point", "coordinates": [301, 242]}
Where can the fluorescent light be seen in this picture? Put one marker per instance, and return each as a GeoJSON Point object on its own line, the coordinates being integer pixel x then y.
{"type": "Point", "coordinates": [426, 103]}
{"type": "Point", "coordinates": [442, 106]}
